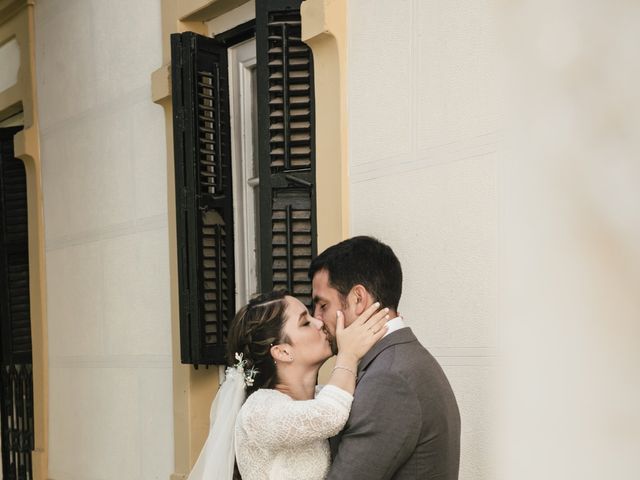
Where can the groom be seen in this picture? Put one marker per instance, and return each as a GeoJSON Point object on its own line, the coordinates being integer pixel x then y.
{"type": "Point", "coordinates": [404, 421]}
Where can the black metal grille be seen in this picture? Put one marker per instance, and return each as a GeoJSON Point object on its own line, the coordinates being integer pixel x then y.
{"type": "Point", "coordinates": [17, 421]}
{"type": "Point", "coordinates": [16, 379]}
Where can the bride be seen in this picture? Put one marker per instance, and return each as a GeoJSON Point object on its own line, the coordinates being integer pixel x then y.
{"type": "Point", "coordinates": [282, 429]}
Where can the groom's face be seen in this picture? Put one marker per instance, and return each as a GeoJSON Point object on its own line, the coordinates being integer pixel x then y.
{"type": "Point", "coordinates": [326, 302]}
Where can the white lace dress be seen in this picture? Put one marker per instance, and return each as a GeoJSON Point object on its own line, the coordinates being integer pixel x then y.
{"type": "Point", "coordinates": [277, 437]}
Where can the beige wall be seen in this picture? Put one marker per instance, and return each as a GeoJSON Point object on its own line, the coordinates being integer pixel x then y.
{"type": "Point", "coordinates": [571, 225]}
{"type": "Point", "coordinates": [423, 141]}
{"type": "Point", "coordinates": [523, 227]}
{"type": "Point", "coordinates": [104, 182]}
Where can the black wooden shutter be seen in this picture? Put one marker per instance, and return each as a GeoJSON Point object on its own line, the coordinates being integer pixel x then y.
{"type": "Point", "coordinates": [204, 202]}
{"type": "Point", "coordinates": [16, 373]}
{"type": "Point", "coordinates": [14, 255]}
{"type": "Point", "coordinates": [286, 149]}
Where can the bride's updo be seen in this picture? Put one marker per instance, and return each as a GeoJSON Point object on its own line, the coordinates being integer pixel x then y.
{"type": "Point", "coordinates": [256, 327]}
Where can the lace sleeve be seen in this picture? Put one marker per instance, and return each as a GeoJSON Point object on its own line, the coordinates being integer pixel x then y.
{"type": "Point", "coordinates": [278, 421]}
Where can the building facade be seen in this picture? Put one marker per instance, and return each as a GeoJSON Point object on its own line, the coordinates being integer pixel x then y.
{"type": "Point", "coordinates": [90, 84]}
{"type": "Point", "coordinates": [404, 125]}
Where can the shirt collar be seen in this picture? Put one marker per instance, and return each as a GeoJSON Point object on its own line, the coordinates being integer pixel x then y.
{"type": "Point", "coordinates": [394, 324]}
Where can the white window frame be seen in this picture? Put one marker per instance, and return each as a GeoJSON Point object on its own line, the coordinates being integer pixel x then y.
{"type": "Point", "coordinates": [243, 115]}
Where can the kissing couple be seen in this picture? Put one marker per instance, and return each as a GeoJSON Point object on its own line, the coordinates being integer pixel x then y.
{"type": "Point", "coordinates": [387, 410]}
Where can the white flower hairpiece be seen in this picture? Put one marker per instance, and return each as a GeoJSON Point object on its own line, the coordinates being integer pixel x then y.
{"type": "Point", "coordinates": [239, 367]}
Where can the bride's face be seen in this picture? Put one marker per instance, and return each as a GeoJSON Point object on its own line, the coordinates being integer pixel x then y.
{"type": "Point", "coordinates": [308, 340]}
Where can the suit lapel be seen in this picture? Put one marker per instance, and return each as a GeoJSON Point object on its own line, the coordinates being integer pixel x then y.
{"type": "Point", "coordinates": [404, 335]}
{"type": "Point", "coordinates": [334, 443]}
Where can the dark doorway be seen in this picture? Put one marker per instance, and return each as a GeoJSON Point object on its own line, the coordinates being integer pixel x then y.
{"type": "Point", "coordinates": [16, 380]}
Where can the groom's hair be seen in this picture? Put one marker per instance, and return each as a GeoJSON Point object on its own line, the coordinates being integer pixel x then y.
{"type": "Point", "coordinates": [366, 261]}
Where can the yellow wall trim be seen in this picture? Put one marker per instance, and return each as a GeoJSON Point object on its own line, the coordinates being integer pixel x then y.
{"type": "Point", "coordinates": [324, 29]}
{"type": "Point", "coordinates": [17, 21]}
{"type": "Point", "coordinates": [9, 8]}
{"type": "Point", "coordinates": [203, 10]}
{"type": "Point", "coordinates": [161, 83]}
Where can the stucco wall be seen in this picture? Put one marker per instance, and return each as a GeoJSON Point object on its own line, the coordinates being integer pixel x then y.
{"type": "Point", "coordinates": [104, 183]}
{"type": "Point", "coordinates": [571, 220]}
{"type": "Point", "coordinates": [423, 141]}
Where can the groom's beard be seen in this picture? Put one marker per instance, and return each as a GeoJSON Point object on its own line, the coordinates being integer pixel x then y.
{"type": "Point", "coordinates": [332, 341]}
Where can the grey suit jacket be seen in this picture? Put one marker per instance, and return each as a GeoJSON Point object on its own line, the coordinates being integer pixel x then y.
{"type": "Point", "coordinates": [404, 422]}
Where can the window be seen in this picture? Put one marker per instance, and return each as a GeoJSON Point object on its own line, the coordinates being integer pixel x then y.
{"type": "Point", "coordinates": [245, 216]}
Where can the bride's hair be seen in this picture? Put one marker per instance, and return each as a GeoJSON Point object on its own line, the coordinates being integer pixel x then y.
{"type": "Point", "coordinates": [256, 327]}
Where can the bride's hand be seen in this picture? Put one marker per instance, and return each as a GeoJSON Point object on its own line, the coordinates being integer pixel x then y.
{"type": "Point", "coordinates": [358, 338]}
